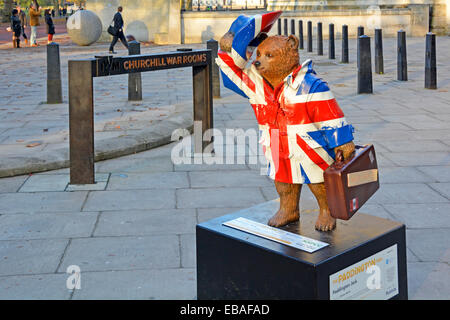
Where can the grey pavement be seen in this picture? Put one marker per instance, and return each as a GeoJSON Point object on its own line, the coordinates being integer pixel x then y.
{"type": "Point", "coordinates": [132, 234]}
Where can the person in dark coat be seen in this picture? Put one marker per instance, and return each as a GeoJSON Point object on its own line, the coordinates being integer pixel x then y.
{"type": "Point", "coordinates": [118, 28]}
{"type": "Point", "coordinates": [16, 28]}
{"type": "Point", "coordinates": [23, 22]}
{"type": "Point", "coordinates": [50, 25]}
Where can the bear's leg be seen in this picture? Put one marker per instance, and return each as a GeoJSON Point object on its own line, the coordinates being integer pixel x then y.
{"type": "Point", "coordinates": [325, 222]}
{"type": "Point", "coordinates": [289, 208]}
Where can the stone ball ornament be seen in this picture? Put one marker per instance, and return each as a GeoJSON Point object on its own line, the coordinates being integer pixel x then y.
{"type": "Point", "coordinates": [84, 27]}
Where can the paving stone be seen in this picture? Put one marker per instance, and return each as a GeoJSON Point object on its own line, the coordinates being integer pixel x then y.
{"type": "Point", "coordinates": [438, 173]}
{"type": "Point", "coordinates": [30, 256]}
{"type": "Point", "coordinates": [123, 253]}
{"type": "Point", "coordinates": [205, 179]}
{"type": "Point", "coordinates": [130, 200]}
{"type": "Point", "coordinates": [406, 193]}
{"type": "Point", "coordinates": [46, 226]}
{"type": "Point", "coordinates": [149, 222]}
{"type": "Point", "coordinates": [429, 245]}
{"type": "Point", "coordinates": [428, 281]}
{"type": "Point", "coordinates": [188, 250]}
{"type": "Point", "coordinates": [205, 214]}
{"type": "Point", "coordinates": [218, 197]}
{"type": "Point", "coordinates": [429, 215]}
{"type": "Point", "coordinates": [35, 287]}
{"type": "Point", "coordinates": [156, 180]}
{"type": "Point", "coordinates": [169, 284]}
{"type": "Point", "coordinates": [12, 184]}
{"type": "Point", "coordinates": [442, 188]}
{"type": "Point", "coordinates": [418, 145]}
{"type": "Point", "coordinates": [158, 164]}
{"type": "Point", "coordinates": [40, 183]}
{"type": "Point", "coordinates": [42, 202]}
{"type": "Point", "coordinates": [97, 186]}
{"type": "Point", "coordinates": [420, 159]}
{"type": "Point", "coordinates": [402, 175]}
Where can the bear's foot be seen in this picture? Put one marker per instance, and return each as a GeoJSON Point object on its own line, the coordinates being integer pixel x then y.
{"type": "Point", "coordinates": [282, 218]}
{"type": "Point", "coordinates": [325, 222]}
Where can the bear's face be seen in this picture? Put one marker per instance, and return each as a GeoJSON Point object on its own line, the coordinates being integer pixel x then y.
{"type": "Point", "coordinates": [276, 58]}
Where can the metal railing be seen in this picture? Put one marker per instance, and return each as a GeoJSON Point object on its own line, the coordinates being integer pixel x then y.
{"type": "Point", "coordinates": [222, 5]}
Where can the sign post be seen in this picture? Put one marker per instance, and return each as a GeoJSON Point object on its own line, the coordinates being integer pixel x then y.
{"type": "Point", "coordinates": [81, 101]}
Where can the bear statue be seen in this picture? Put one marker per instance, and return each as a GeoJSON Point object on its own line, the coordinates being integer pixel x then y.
{"type": "Point", "coordinates": [301, 125]}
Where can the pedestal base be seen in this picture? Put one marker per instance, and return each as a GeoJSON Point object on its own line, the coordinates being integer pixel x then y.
{"type": "Point", "coordinates": [365, 259]}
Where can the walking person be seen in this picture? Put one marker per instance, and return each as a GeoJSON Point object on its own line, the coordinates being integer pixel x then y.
{"type": "Point", "coordinates": [35, 13]}
{"type": "Point", "coordinates": [23, 22]}
{"type": "Point", "coordinates": [50, 25]}
{"type": "Point", "coordinates": [118, 29]}
{"type": "Point", "coordinates": [16, 28]}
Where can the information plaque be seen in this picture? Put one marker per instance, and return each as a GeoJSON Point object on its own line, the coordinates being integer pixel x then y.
{"type": "Point", "coordinates": [275, 234]}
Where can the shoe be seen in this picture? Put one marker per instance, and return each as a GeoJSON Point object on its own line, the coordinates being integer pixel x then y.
{"type": "Point", "coordinates": [34, 45]}
{"type": "Point", "coordinates": [26, 41]}
{"type": "Point", "coordinates": [112, 52]}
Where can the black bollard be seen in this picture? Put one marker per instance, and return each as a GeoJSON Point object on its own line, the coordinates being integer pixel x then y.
{"type": "Point", "coordinates": [134, 79]}
{"type": "Point", "coordinates": [310, 40]}
{"type": "Point", "coordinates": [360, 32]}
{"type": "Point", "coordinates": [285, 27]}
{"type": "Point", "coordinates": [300, 34]}
{"type": "Point", "coordinates": [344, 44]}
{"type": "Point", "coordinates": [293, 26]}
{"type": "Point", "coordinates": [54, 90]}
{"type": "Point", "coordinates": [430, 62]}
{"type": "Point", "coordinates": [279, 27]}
{"type": "Point", "coordinates": [379, 65]}
{"type": "Point", "coordinates": [319, 39]}
{"type": "Point", "coordinates": [331, 53]}
{"type": "Point", "coordinates": [213, 45]}
{"type": "Point", "coordinates": [402, 64]}
{"type": "Point", "coordinates": [364, 65]}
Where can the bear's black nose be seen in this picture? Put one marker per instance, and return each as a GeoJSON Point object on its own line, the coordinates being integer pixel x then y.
{"type": "Point", "coordinates": [257, 63]}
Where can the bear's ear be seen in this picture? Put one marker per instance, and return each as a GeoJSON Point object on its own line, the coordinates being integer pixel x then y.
{"type": "Point", "coordinates": [293, 42]}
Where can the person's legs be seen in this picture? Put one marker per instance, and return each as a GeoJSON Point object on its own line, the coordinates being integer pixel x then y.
{"type": "Point", "coordinates": [123, 40]}
{"type": "Point", "coordinates": [113, 43]}
{"type": "Point", "coordinates": [33, 35]}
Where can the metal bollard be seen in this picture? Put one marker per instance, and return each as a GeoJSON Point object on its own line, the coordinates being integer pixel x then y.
{"type": "Point", "coordinates": [134, 79]}
{"type": "Point", "coordinates": [319, 39]}
{"type": "Point", "coordinates": [285, 27]}
{"type": "Point", "coordinates": [402, 64]}
{"type": "Point", "coordinates": [213, 45]}
{"type": "Point", "coordinates": [300, 34]}
{"type": "Point", "coordinates": [54, 89]}
{"type": "Point", "coordinates": [344, 44]}
{"type": "Point", "coordinates": [293, 26]}
{"type": "Point", "coordinates": [430, 62]}
{"type": "Point", "coordinates": [360, 32]}
{"type": "Point", "coordinates": [279, 27]}
{"type": "Point", "coordinates": [331, 51]}
{"type": "Point", "coordinates": [379, 65]}
{"type": "Point", "coordinates": [310, 40]}
{"type": "Point", "coordinates": [364, 65]}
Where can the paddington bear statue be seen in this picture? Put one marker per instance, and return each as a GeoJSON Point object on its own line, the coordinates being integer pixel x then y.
{"type": "Point", "coordinates": [301, 125]}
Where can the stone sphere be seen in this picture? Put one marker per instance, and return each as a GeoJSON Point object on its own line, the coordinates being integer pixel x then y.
{"type": "Point", "coordinates": [84, 27]}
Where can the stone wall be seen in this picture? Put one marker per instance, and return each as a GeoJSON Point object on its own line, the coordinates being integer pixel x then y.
{"type": "Point", "coordinates": [440, 9]}
{"type": "Point", "coordinates": [201, 26]}
{"type": "Point", "coordinates": [149, 20]}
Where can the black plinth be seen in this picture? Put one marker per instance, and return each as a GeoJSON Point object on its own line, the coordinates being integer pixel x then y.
{"type": "Point", "coordinates": [232, 264]}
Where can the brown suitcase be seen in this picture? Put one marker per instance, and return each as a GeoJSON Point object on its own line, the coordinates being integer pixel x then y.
{"type": "Point", "coordinates": [349, 184]}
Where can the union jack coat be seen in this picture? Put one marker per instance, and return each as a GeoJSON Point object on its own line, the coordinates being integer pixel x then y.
{"type": "Point", "coordinates": [300, 121]}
